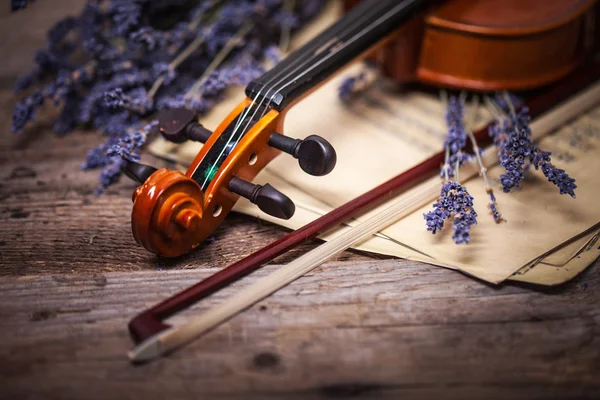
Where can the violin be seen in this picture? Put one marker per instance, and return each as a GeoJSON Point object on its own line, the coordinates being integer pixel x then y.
{"type": "Point", "coordinates": [468, 44]}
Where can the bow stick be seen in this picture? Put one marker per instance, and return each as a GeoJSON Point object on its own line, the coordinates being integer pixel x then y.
{"type": "Point", "coordinates": [149, 323]}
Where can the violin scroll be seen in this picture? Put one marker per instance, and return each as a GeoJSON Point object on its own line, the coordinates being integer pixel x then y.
{"type": "Point", "coordinates": [175, 212]}
{"type": "Point", "coordinates": [167, 213]}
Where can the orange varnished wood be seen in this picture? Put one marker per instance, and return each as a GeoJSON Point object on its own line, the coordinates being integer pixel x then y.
{"type": "Point", "coordinates": [217, 132]}
{"type": "Point", "coordinates": [491, 44]}
{"type": "Point", "coordinates": [171, 215]}
{"type": "Point", "coordinates": [167, 213]}
{"type": "Point", "coordinates": [255, 141]}
{"type": "Point", "coordinates": [217, 196]}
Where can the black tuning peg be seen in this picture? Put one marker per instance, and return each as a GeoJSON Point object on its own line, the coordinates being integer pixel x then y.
{"type": "Point", "coordinates": [136, 171]}
{"type": "Point", "coordinates": [315, 155]}
{"type": "Point", "coordinates": [267, 198]}
{"type": "Point", "coordinates": [179, 124]}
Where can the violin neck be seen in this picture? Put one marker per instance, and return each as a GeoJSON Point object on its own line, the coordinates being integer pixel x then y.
{"type": "Point", "coordinates": [350, 37]}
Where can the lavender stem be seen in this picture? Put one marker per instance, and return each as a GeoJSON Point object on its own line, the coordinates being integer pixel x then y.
{"type": "Point", "coordinates": [220, 57]}
{"type": "Point", "coordinates": [511, 107]}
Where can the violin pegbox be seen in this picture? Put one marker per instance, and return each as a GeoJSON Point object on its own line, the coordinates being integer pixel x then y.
{"type": "Point", "coordinates": [175, 212]}
{"type": "Point", "coordinates": [315, 155]}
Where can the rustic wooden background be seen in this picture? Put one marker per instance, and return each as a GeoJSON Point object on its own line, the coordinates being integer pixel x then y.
{"type": "Point", "coordinates": [360, 326]}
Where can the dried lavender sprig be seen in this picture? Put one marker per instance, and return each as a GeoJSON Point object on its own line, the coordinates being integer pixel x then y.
{"type": "Point", "coordinates": [172, 66]}
{"type": "Point", "coordinates": [454, 201]}
{"type": "Point", "coordinates": [517, 147]}
{"type": "Point", "coordinates": [132, 55]}
{"type": "Point", "coordinates": [128, 147]}
{"type": "Point", "coordinates": [19, 4]}
{"type": "Point", "coordinates": [220, 57]}
{"type": "Point", "coordinates": [457, 137]}
{"type": "Point", "coordinates": [557, 176]}
{"type": "Point", "coordinates": [482, 169]}
{"type": "Point", "coordinates": [188, 50]}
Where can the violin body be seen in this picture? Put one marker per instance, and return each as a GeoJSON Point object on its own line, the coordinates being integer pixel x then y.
{"type": "Point", "coordinates": [467, 44]}
{"type": "Point", "coordinates": [488, 45]}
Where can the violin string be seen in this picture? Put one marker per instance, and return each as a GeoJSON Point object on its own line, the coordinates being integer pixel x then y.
{"type": "Point", "coordinates": [381, 19]}
{"type": "Point", "coordinates": [244, 114]}
{"type": "Point", "coordinates": [347, 30]}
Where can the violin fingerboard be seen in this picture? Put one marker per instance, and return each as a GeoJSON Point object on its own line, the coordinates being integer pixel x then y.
{"type": "Point", "coordinates": [359, 30]}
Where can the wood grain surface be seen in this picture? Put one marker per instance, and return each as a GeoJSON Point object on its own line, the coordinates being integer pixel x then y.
{"type": "Point", "coordinates": [362, 326]}
{"type": "Point", "coordinates": [382, 329]}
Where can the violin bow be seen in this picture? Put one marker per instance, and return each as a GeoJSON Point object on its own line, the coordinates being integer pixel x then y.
{"type": "Point", "coordinates": [148, 324]}
{"type": "Point", "coordinates": [176, 337]}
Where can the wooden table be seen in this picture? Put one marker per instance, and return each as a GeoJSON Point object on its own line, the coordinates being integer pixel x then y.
{"type": "Point", "coordinates": [360, 326]}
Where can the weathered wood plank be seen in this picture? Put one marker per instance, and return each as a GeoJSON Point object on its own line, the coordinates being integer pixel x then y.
{"type": "Point", "coordinates": [386, 329]}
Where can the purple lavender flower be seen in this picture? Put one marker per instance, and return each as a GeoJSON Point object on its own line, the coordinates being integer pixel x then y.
{"type": "Point", "coordinates": [242, 72]}
{"type": "Point", "coordinates": [435, 218]}
{"type": "Point", "coordinates": [162, 70]}
{"type": "Point", "coordinates": [455, 201]}
{"type": "Point", "coordinates": [19, 4]}
{"type": "Point", "coordinates": [126, 15]}
{"type": "Point", "coordinates": [97, 157]}
{"type": "Point", "coordinates": [129, 146]}
{"type": "Point", "coordinates": [125, 46]}
{"type": "Point", "coordinates": [60, 30]}
{"type": "Point", "coordinates": [136, 100]}
{"type": "Point", "coordinates": [149, 38]}
{"type": "Point", "coordinates": [560, 178]}
{"type": "Point", "coordinates": [457, 136]}
{"type": "Point", "coordinates": [500, 100]}
{"type": "Point", "coordinates": [350, 85]}
{"type": "Point", "coordinates": [110, 175]}
{"type": "Point", "coordinates": [462, 227]}
{"type": "Point", "coordinates": [492, 206]}
{"type": "Point", "coordinates": [272, 54]}
{"type": "Point", "coordinates": [67, 119]}
{"type": "Point", "coordinates": [557, 176]}
{"type": "Point", "coordinates": [25, 111]}
{"type": "Point", "coordinates": [517, 151]}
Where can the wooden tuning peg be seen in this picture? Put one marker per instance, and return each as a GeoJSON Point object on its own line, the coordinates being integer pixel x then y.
{"type": "Point", "coordinates": [179, 124]}
{"type": "Point", "coordinates": [266, 197]}
{"type": "Point", "coordinates": [137, 171]}
{"type": "Point", "coordinates": [315, 155]}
